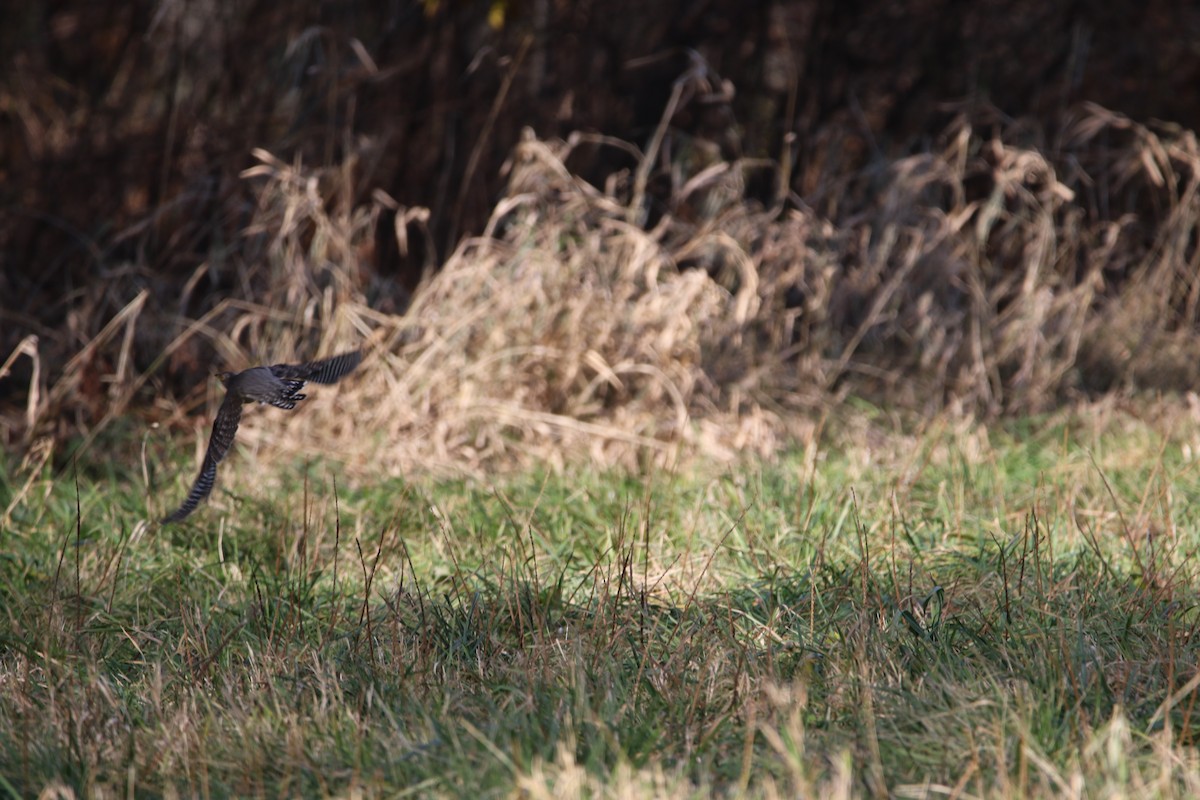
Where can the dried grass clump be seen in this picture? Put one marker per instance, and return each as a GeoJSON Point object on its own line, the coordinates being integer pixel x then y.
{"type": "Point", "coordinates": [564, 331]}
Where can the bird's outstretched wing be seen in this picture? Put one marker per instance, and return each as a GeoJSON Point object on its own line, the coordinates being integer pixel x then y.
{"type": "Point", "coordinates": [329, 370]}
{"type": "Point", "coordinates": [224, 429]}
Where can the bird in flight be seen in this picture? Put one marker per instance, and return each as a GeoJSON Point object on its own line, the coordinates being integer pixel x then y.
{"type": "Point", "coordinates": [278, 385]}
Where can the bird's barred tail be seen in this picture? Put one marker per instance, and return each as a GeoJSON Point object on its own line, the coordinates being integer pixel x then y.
{"type": "Point", "coordinates": [224, 430]}
{"type": "Point", "coordinates": [200, 490]}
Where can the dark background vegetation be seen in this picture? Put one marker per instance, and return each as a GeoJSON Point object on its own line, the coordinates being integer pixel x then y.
{"type": "Point", "coordinates": [124, 127]}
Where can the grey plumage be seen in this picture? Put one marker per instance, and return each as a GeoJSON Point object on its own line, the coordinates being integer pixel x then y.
{"type": "Point", "coordinates": [278, 385]}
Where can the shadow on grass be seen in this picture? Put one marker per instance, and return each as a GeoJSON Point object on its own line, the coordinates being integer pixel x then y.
{"type": "Point", "coordinates": [323, 661]}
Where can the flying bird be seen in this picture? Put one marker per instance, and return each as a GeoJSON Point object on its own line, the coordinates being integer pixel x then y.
{"type": "Point", "coordinates": [279, 385]}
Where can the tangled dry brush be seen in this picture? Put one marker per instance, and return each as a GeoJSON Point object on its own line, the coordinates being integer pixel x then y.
{"type": "Point", "coordinates": [665, 313]}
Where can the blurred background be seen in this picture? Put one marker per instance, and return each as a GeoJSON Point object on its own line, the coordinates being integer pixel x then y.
{"type": "Point", "coordinates": [988, 207]}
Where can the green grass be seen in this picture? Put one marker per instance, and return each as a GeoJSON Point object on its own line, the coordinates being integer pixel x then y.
{"type": "Point", "coordinates": [1009, 614]}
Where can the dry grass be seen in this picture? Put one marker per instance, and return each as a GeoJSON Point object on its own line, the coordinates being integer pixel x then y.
{"type": "Point", "coordinates": [997, 272]}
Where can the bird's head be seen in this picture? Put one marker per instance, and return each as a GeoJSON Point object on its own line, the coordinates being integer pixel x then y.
{"type": "Point", "coordinates": [225, 376]}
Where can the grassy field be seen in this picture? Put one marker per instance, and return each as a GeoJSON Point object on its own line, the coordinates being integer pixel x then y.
{"type": "Point", "coordinates": [663, 477]}
{"type": "Point", "coordinates": [958, 611]}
